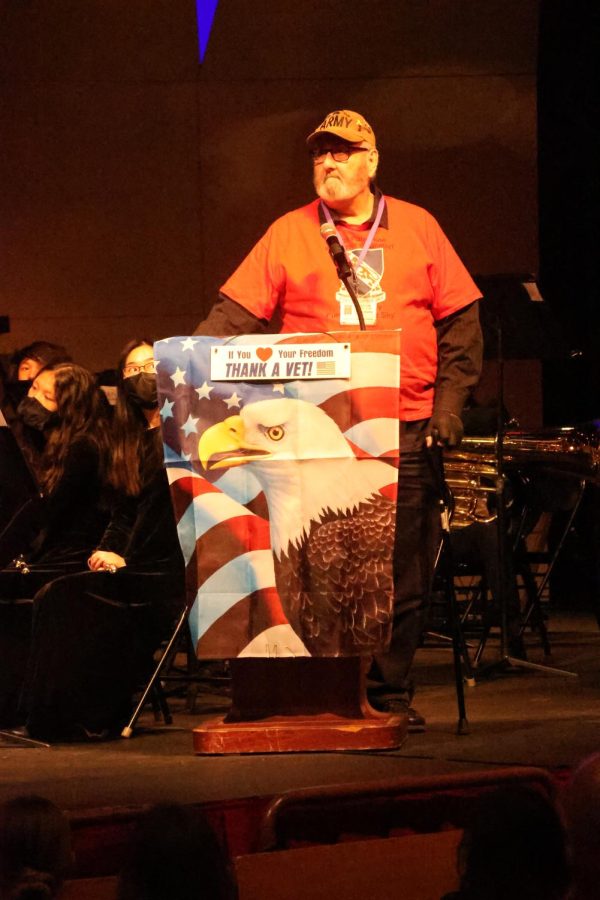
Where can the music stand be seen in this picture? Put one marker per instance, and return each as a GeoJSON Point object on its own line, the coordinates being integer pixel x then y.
{"type": "Point", "coordinates": [514, 321]}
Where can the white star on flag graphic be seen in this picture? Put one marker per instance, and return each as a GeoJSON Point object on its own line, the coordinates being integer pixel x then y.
{"type": "Point", "coordinates": [188, 344]}
{"type": "Point", "coordinates": [166, 411]}
{"type": "Point", "coordinates": [178, 377]}
{"type": "Point", "coordinates": [234, 400]}
{"type": "Point", "coordinates": [204, 391]}
{"type": "Point", "coordinates": [189, 427]}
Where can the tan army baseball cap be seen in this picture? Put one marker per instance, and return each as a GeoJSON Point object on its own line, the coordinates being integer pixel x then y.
{"type": "Point", "coordinates": [345, 124]}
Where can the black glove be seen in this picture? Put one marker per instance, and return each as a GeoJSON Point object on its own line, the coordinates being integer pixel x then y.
{"type": "Point", "coordinates": [444, 428]}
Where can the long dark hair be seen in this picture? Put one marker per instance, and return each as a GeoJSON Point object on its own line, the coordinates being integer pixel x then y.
{"type": "Point", "coordinates": [35, 848]}
{"type": "Point", "coordinates": [130, 462]}
{"type": "Point", "coordinates": [82, 413]}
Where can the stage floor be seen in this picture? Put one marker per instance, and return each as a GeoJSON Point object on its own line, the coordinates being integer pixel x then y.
{"type": "Point", "coordinates": [521, 718]}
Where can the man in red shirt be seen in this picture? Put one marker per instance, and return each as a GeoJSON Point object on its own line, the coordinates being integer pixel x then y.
{"type": "Point", "coordinates": [406, 275]}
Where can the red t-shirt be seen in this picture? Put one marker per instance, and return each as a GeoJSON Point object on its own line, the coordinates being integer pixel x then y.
{"type": "Point", "coordinates": [410, 278]}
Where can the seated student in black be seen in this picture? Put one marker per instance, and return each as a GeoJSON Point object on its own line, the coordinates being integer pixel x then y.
{"type": "Point", "coordinates": [69, 412]}
{"type": "Point", "coordinates": [17, 373]}
{"type": "Point", "coordinates": [94, 633]}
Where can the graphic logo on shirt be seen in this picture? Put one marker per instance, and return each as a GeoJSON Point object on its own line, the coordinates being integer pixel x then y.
{"type": "Point", "coordinates": [368, 284]}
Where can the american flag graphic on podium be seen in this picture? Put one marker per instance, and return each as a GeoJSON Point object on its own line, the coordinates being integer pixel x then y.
{"type": "Point", "coordinates": [284, 496]}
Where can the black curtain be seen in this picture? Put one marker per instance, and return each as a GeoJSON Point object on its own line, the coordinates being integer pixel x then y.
{"type": "Point", "coordinates": [569, 150]}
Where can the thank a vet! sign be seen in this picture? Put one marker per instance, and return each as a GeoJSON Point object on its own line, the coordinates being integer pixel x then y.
{"type": "Point", "coordinates": [279, 362]}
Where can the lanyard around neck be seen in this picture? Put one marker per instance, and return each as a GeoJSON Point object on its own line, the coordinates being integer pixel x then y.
{"type": "Point", "coordinates": [370, 236]}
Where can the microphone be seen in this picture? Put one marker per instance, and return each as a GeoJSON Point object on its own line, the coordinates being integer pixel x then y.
{"type": "Point", "coordinates": [336, 251]}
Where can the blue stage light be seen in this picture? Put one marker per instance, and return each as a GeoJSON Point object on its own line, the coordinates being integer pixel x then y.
{"type": "Point", "coordinates": [205, 10]}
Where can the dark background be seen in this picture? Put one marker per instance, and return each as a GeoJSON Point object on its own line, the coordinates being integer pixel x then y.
{"type": "Point", "coordinates": [569, 150]}
{"type": "Point", "coordinates": [134, 179]}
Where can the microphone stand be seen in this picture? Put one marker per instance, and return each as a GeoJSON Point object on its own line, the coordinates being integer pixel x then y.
{"type": "Point", "coordinates": [347, 279]}
{"type": "Point", "coordinates": [345, 271]}
{"type": "Point", "coordinates": [506, 661]}
{"type": "Point", "coordinates": [444, 567]}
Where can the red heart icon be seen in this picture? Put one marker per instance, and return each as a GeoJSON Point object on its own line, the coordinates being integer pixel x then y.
{"type": "Point", "coordinates": [264, 353]}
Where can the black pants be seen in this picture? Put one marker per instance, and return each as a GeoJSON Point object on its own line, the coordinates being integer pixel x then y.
{"type": "Point", "coordinates": [16, 603]}
{"type": "Point", "coordinates": [72, 656]}
{"type": "Point", "coordinates": [93, 637]}
{"type": "Point", "coordinates": [418, 534]}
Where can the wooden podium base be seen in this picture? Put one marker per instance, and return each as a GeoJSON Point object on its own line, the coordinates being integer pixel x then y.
{"type": "Point", "coordinates": [296, 734]}
{"type": "Point", "coordinates": [298, 705]}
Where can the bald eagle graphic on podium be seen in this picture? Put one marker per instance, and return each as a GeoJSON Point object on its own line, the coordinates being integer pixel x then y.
{"type": "Point", "coordinates": [332, 530]}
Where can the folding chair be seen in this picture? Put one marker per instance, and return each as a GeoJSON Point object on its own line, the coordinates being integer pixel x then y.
{"type": "Point", "coordinates": [166, 672]}
{"type": "Point", "coordinates": [153, 690]}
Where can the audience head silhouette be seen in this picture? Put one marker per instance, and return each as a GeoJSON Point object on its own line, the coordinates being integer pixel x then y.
{"type": "Point", "coordinates": [514, 847]}
{"type": "Point", "coordinates": [581, 804]}
{"type": "Point", "coordinates": [35, 849]}
{"type": "Point", "coordinates": [175, 854]}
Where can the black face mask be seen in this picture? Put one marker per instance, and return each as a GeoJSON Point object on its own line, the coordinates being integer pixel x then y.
{"type": "Point", "coordinates": [33, 414]}
{"type": "Point", "coordinates": [140, 390]}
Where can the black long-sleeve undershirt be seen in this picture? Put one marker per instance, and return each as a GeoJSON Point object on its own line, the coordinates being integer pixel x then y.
{"type": "Point", "coordinates": [459, 344]}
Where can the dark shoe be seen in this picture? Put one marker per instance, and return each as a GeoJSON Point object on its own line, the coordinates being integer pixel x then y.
{"type": "Point", "coordinates": [81, 734]}
{"type": "Point", "coordinates": [516, 648]}
{"type": "Point", "coordinates": [19, 732]}
{"type": "Point", "coordinates": [416, 722]}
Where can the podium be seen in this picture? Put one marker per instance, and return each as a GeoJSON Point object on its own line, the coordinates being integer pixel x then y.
{"type": "Point", "coordinates": [282, 457]}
